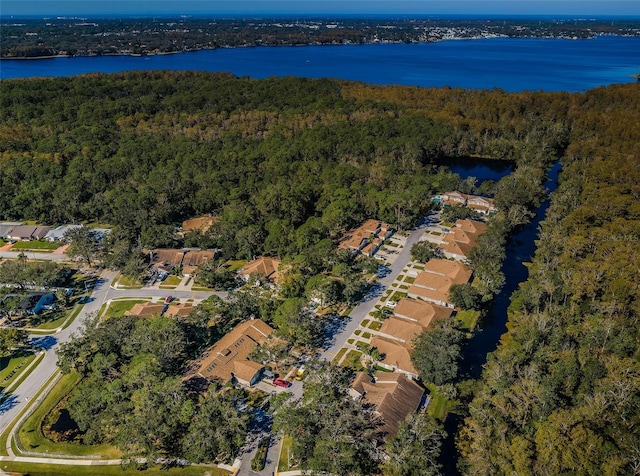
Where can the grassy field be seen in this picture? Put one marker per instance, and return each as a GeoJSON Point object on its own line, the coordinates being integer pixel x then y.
{"type": "Point", "coordinates": [63, 470]}
{"type": "Point", "coordinates": [375, 325]}
{"type": "Point", "coordinates": [352, 360]}
{"type": "Point", "coordinates": [124, 282]}
{"type": "Point", "coordinates": [469, 319]}
{"type": "Point", "coordinates": [171, 282]}
{"type": "Point", "coordinates": [11, 366]}
{"type": "Point", "coordinates": [285, 452]}
{"type": "Point", "coordinates": [118, 308]}
{"type": "Point", "coordinates": [35, 245]}
{"type": "Point", "coordinates": [32, 438]}
{"type": "Point", "coordinates": [339, 355]}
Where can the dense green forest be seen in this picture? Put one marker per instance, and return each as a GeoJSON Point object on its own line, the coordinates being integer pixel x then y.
{"type": "Point", "coordinates": [288, 163]}
{"type": "Point", "coordinates": [562, 392]}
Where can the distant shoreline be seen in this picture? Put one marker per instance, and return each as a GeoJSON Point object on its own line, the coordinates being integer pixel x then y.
{"type": "Point", "coordinates": [149, 54]}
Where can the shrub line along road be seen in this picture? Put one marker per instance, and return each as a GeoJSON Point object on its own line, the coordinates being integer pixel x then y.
{"type": "Point", "coordinates": [103, 292]}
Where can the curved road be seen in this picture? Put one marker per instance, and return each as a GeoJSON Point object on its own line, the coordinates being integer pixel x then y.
{"type": "Point", "coordinates": [102, 292]}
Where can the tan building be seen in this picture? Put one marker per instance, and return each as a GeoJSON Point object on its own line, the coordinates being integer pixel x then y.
{"type": "Point", "coordinates": [367, 238]}
{"type": "Point", "coordinates": [196, 258]}
{"type": "Point", "coordinates": [263, 266]}
{"type": "Point", "coordinates": [397, 355]}
{"type": "Point", "coordinates": [434, 283]}
{"type": "Point", "coordinates": [421, 312]}
{"type": "Point", "coordinates": [227, 360]}
{"type": "Point", "coordinates": [480, 204]}
{"type": "Point", "coordinates": [400, 329]}
{"type": "Point", "coordinates": [462, 238]}
{"type": "Point", "coordinates": [393, 395]}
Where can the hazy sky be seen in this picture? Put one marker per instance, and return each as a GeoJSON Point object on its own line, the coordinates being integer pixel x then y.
{"type": "Point", "coordinates": [422, 7]}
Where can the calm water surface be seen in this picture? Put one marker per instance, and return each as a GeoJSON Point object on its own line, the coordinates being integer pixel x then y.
{"type": "Point", "coordinates": [508, 63]}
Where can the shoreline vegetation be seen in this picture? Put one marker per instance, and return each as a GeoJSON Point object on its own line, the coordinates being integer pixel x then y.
{"type": "Point", "coordinates": [70, 37]}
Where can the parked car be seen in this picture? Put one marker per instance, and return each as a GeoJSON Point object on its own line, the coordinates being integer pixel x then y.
{"type": "Point", "coordinates": [169, 299]}
{"type": "Point", "coordinates": [282, 383]}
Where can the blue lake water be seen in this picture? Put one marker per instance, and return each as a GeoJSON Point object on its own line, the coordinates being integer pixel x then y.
{"type": "Point", "coordinates": [507, 63]}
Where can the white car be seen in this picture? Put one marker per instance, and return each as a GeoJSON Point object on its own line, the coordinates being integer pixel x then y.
{"type": "Point", "coordinates": [392, 303]}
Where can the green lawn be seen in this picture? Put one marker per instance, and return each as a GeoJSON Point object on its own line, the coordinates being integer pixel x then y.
{"type": "Point", "coordinates": [396, 296]}
{"type": "Point", "coordinates": [11, 366]}
{"type": "Point", "coordinates": [366, 335]}
{"type": "Point", "coordinates": [118, 308]}
{"type": "Point", "coordinates": [352, 360]}
{"type": "Point", "coordinates": [440, 406]}
{"type": "Point", "coordinates": [126, 283]}
{"type": "Point", "coordinates": [357, 332]}
{"type": "Point", "coordinates": [33, 469]}
{"type": "Point", "coordinates": [35, 245]}
{"type": "Point", "coordinates": [285, 453]}
{"type": "Point", "coordinates": [170, 282]}
{"type": "Point", "coordinates": [339, 355]}
{"type": "Point", "coordinates": [375, 325]}
{"type": "Point", "coordinates": [365, 323]}
{"type": "Point", "coordinates": [469, 319]}
{"type": "Point", "coordinates": [409, 279]}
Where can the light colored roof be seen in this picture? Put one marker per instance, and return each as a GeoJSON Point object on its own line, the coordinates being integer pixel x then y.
{"type": "Point", "coordinates": [401, 329]}
{"type": "Point", "coordinates": [198, 257]}
{"type": "Point", "coordinates": [144, 309]}
{"type": "Point", "coordinates": [263, 265]}
{"type": "Point", "coordinates": [202, 223]}
{"type": "Point", "coordinates": [420, 311]}
{"type": "Point", "coordinates": [179, 310]}
{"type": "Point", "coordinates": [471, 226]}
{"type": "Point", "coordinates": [452, 269]}
{"type": "Point", "coordinates": [371, 226]}
{"type": "Point", "coordinates": [395, 353]}
{"type": "Point", "coordinates": [245, 369]}
{"type": "Point", "coordinates": [353, 240]}
{"type": "Point", "coordinates": [394, 396]}
{"type": "Point", "coordinates": [58, 233]}
{"type": "Point", "coordinates": [168, 256]}
{"type": "Point", "coordinates": [219, 361]}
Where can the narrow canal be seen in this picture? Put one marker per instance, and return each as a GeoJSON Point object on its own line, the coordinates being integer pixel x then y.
{"type": "Point", "coordinates": [520, 249]}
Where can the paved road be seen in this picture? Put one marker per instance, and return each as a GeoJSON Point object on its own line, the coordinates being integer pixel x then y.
{"type": "Point", "coordinates": [34, 255]}
{"type": "Point", "coordinates": [363, 308]}
{"type": "Point", "coordinates": [27, 389]}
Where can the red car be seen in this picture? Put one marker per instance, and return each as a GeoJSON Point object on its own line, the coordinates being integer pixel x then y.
{"type": "Point", "coordinates": [169, 299]}
{"type": "Point", "coordinates": [282, 383]}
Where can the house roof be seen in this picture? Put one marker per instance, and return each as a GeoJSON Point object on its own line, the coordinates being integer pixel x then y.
{"type": "Point", "coordinates": [198, 257]}
{"type": "Point", "coordinates": [371, 226]}
{"type": "Point", "coordinates": [420, 311]}
{"type": "Point", "coordinates": [168, 256]}
{"type": "Point", "coordinates": [144, 309]}
{"type": "Point", "coordinates": [58, 233]}
{"type": "Point", "coordinates": [353, 240]}
{"type": "Point", "coordinates": [28, 232]}
{"type": "Point", "coordinates": [394, 396]}
{"type": "Point", "coordinates": [229, 355]}
{"type": "Point", "coordinates": [395, 353]}
{"type": "Point", "coordinates": [452, 269]}
{"type": "Point", "coordinates": [401, 329]}
{"type": "Point", "coordinates": [6, 227]}
{"type": "Point", "coordinates": [263, 265]}
{"type": "Point", "coordinates": [201, 224]}
{"type": "Point", "coordinates": [179, 310]}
